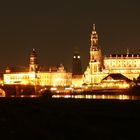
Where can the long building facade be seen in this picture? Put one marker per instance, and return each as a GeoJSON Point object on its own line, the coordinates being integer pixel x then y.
{"type": "Point", "coordinates": [126, 64]}
{"type": "Point", "coordinates": [37, 75]}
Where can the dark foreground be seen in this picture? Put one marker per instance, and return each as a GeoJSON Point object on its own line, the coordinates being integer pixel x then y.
{"type": "Point", "coordinates": [64, 119]}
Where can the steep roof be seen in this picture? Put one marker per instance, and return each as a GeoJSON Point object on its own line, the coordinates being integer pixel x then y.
{"type": "Point", "coordinates": [47, 68]}
{"type": "Point", "coordinates": [18, 69]}
{"type": "Point", "coordinates": [116, 76]}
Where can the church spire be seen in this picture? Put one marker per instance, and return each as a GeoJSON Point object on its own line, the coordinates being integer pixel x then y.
{"type": "Point", "coordinates": [95, 52]}
{"type": "Point", "coordinates": [94, 27]}
{"type": "Point", "coordinates": [94, 38]}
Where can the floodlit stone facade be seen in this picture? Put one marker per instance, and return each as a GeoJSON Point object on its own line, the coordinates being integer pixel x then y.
{"type": "Point", "coordinates": [38, 75]}
{"type": "Point", "coordinates": [100, 66]}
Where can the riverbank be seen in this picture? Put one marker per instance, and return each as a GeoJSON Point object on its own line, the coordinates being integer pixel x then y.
{"type": "Point", "coordinates": [58, 119]}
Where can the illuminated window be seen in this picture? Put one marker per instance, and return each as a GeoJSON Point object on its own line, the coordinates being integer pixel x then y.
{"type": "Point", "coordinates": [78, 56]}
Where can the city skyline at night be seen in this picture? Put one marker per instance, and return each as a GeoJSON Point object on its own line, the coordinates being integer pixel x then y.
{"type": "Point", "coordinates": [56, 29]}
{"type": "Point", "coordinates": [70, 69]}
{"type": "Point", "coordinates": [102, 71]}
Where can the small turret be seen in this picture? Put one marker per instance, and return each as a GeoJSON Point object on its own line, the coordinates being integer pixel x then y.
{"type": "Point", "coordinates": [127, 51]}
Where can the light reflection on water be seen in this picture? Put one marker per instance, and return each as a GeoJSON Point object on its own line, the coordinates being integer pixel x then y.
{"type": "Point", "coordinates": [118, 97]}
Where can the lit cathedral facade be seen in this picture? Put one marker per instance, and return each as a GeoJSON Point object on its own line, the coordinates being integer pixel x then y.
{"type": "Point", "coordinates": [101, 66]}
{"type": "Point", "coordinates": [93, 73]}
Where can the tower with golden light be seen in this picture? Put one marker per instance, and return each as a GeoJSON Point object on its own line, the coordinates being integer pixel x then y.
{"type": "Point", "coordinates": [33, 64]}
{"type": "Point", "coordinates": [96, 60]}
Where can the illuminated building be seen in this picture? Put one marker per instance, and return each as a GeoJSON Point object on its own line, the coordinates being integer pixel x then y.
{"type": "Point", "coordinates": [33, 64]}
{"type": "Point", "coordinates": [126, 64]}
{"type": "Point", "coordinates": [38, 75]}
{"type": "Point", "coordinates": [116, 80]}
{"type": "Point", "coordinates": [94, 72]}
{"type": "Point", "coordinates": [18, 75]}
{"type": "Point", "coordinates": [100, 67]}
{"type": "Point", "coordinates": [53, 76]}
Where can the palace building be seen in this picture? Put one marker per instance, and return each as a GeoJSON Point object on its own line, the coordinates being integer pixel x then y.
{"type": "Point", "coordinates": [101, 66]}
{"type": "Point", "coordinates": [37, 75]}
{"type": "Point", "coordinates": [126, 64]}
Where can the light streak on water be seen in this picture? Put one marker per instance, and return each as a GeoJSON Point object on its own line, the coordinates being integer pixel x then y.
{"type": "Point", "coordinates": [117, 97]}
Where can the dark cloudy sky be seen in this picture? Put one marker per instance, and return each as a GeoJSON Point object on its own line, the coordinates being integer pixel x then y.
{"type": "Point", "coordinates": [55, 28]}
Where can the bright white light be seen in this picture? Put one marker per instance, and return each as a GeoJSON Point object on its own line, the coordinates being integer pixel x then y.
{"type": "Point", "coordinates": [53, 89]}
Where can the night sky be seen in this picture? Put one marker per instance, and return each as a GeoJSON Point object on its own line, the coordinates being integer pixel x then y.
{"type": "Point", "coordinates": [56, 28]}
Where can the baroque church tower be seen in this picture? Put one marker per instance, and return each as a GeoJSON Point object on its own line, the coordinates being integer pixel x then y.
{"type": "Point", "coordinates": [96, 60]}
{"type": "Point", "coordinates": [33, 64]}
